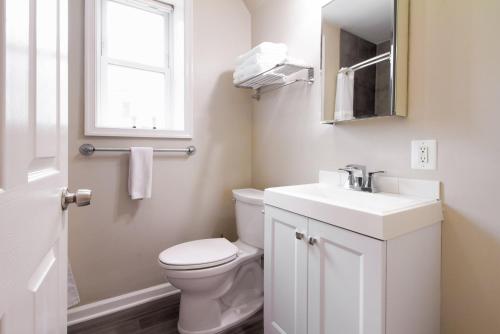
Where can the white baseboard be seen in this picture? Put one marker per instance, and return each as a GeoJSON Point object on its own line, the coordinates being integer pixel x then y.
{"type": "Point", "coordinates": [119, 303]}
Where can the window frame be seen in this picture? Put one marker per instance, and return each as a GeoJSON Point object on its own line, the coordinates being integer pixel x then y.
{"type": "Point", "coordinates": [178, 67]}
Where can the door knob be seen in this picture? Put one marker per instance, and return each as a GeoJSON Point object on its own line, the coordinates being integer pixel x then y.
{"type": "Point", "coordinates": [81, 198]}
{"type": "Point", "coordinates": [312, 241]}
{"type": "Point", "coordinates": [299, 235]}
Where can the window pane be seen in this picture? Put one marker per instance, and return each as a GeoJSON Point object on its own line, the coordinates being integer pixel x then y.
{"type": "Point", "coordinates": [134, 97]}
{"type": "Point", "coordinates": [135, 35]}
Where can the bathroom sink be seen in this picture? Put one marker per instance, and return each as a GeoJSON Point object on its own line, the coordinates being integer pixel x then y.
{"type": "Point", "coordinates": [379, 203]}
{"type": "Point", "coordinates": [383, 215]}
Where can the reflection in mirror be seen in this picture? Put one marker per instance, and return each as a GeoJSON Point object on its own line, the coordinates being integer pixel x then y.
{"type": "Point", "coordinates": [358, 57]}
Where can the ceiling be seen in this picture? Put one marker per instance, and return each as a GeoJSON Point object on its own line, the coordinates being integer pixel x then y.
{"type": "Point", "coordinates": [368, 19]}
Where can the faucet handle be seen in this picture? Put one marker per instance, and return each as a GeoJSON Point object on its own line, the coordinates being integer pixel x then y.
{"type": "Point", "coordinates": [349, 183]}
{"type": "Point", "coordinates": [369, 184]}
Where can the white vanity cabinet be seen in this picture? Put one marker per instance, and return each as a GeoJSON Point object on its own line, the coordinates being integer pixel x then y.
{"type": "Point", "coordinates": [346, 280]}
{"type": "Point", "coordinates": [285, 272]}
{"type": "Point", "coordinates": [323, 279]}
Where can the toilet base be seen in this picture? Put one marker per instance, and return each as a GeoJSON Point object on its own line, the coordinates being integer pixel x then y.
{"type": "Point", "coordinates": [231, 317]}
{"type": "Point", "coordinates": [220, 297]}
{"type": "Point", "coordinates": [227, 304]}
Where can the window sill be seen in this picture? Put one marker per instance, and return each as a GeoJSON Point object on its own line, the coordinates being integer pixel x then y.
{"type": "Point", "coordinates": [139, 133]}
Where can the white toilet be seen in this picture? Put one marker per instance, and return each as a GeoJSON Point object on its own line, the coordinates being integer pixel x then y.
{"type": "Point", "coordinates": [221, 282]}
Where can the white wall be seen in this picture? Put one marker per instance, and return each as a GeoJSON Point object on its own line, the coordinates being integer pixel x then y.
{"type": "Point", "coordinates": [115, 242]}
{"type": "Point", "coordinates": [454, 97]}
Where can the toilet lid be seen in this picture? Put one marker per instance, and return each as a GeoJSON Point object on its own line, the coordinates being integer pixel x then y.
{"type": "Point", "coordinates": [198, 254]}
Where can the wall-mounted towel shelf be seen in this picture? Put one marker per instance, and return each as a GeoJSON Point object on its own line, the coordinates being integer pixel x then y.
{"type": "Point", "coordinates": [89, 149]}
{"type": "Point", "coordinates": [277, 77]}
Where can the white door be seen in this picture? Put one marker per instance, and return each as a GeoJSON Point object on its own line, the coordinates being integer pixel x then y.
{"type": "Point", "coordinates": [285, 272]}
{"type": "Point", "coordinates": [33, 166]}
{"type": "Point", "coordinates": [346, 282]}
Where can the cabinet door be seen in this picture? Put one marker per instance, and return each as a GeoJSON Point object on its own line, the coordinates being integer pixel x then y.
{"type": "Point", "coordinates": [285, 273]}
{"type": "Point", "coordinates": [346, 282]}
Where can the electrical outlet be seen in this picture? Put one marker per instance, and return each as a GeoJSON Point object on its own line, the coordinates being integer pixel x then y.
{"type": "Point", "coordinates": [424, 154]}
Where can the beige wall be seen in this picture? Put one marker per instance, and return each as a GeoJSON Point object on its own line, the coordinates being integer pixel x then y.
{"type": "Point", "coordinates": [454, 96]}
{"type": "Point", "coordinates": [115, 242]}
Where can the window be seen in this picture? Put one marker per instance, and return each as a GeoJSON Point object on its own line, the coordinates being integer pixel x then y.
{"type": "Point", "coordinates": [137, 68]}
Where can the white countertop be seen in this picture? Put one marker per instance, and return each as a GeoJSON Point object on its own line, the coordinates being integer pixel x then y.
{"type": "Point", "coordinates": [383, 215]}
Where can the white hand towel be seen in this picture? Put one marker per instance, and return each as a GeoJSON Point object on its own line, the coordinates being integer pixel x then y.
{"type": "Point", "coordinates": [344, 98]}
{"type": "Point", "coordinates": [266, 47]}
{"type": "Point", "coordinates": [140, 173]}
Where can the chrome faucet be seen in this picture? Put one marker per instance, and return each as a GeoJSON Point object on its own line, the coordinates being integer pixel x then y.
{"type": "Point", "coordinates": [358, 179]}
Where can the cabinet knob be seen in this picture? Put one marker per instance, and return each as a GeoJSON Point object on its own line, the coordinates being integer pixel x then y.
{"type": "Point", "coordinates": [311, 241]}
{"type": "Point", "coordinates": [299, 236]}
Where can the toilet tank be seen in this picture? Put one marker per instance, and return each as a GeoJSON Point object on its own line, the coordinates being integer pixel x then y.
{"type": "Point", "coordinates": [249, 206]}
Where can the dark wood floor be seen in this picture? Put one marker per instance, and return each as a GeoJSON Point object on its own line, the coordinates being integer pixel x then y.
{"type": "Point", "coordinates": [157, 317]}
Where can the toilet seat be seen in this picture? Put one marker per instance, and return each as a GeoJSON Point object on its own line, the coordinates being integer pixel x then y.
{"type": "Point", "coordinates": [198, 254]}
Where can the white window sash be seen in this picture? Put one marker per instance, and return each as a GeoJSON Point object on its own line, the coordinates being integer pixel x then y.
{"type": "Point", "coordinates": [133, 65]}
{"type": "Point", "coordinates": [154, 6]}
{"type": "Point", "coordinates": [165, 12]}
{"type": "Point", "coordinates": [178, 52]}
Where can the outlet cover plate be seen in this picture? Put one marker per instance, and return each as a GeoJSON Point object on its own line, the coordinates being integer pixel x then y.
{"type": "Point", "coordinates": [424, 154]}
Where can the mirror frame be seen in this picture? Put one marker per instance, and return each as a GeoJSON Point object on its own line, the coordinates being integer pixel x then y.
{"type": "Point", "coordinates": [399, 64]}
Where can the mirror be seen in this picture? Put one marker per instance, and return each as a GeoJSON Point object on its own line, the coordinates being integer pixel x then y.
{"type": "Point", "coordinates": [364, 59]}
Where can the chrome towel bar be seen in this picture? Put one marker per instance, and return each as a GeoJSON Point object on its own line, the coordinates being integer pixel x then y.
{"type": "Point", "coordinates": [89, 149]}
{"type": "Point", "coordinates": [369, 62]}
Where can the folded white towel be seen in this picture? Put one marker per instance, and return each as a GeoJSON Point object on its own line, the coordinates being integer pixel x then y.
{"type": "Point", "coordinates": [252, 71]}
{"type": "Point", "coordinates": [260, 58]}
{"type": "Point", "coordinates": [140, 175]}
{"type": "Point", "coordinates": [344, 97]}
{"type": "Point", "coordinates": [265, 47]}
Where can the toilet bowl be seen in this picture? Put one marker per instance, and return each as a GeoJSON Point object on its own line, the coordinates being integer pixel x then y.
{"type": "Point", "coordinates": [221, 282]}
